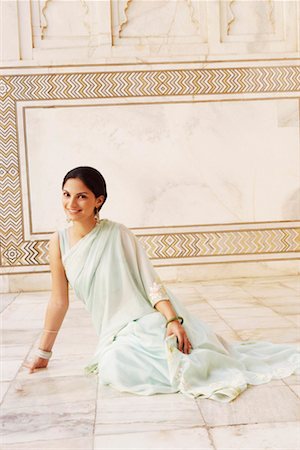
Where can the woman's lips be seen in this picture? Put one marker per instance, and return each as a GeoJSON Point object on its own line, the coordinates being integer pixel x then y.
{"type": "Point", "coordinates": [74, 211]}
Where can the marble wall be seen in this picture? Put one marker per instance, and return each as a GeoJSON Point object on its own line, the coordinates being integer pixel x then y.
{"type": "Point", "coordinates": [190, 109]}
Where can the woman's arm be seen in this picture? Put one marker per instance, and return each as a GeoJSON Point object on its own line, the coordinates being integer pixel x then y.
{"type": "Point", "coordinates": [57, 306]}
{"type": "Point", "coordinates": [142, 269]}
{"type": "Point", "coordinates": [165, 307]}
{"type": "Point", "coordinates": [59, 300]}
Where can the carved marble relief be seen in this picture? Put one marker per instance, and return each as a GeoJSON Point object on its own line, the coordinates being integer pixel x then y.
{"type": "Point", "coordinates": [58, 23]}
{"type": "Point", "coordinates": [256, 18]}
{"type": "Point", "coordinates": [264, 26]}
{"type": "Point", "coordinates": [165, 28]}
{"type": "Point", "coordinates": [167, 21]}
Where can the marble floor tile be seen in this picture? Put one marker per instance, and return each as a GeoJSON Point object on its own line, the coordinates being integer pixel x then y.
{"type": "Point", "coordinates": [182, 289]}
{"type": "Point", "coordinates": [39, 297]}
{"type": "Point", "coordinates": [292, 283]}
{"type": "Point", "coordinates": [43, 422]}
{"type": "Point", "coordinates": [23, 312]}
{"type": "Point", "coordinates": [212, 293]}
{"type": "Point", "coordinates": [294, 318]}
{"type": "Point", "coordinates": [256, 404]}
{"type": "Point", "coordinates": [19, 336]}
{"type": "Point", "coordinates": [14, 351]}
{"type": "Point", "coordinates": [190, 439]}
{"type": "Point", "coordinates": [292, 380]}
{"type": "Point", "coordinates": [242, 323]}
{"type": "Point", "coordinates": [192, 299]}
{"type": "Point", "coordinates": [7, 299]}
{"type": "Point", "coordinates": [203, 310]}
{"type": "Point", "coordinates": [4, 386]}
{"type": "Point", "coordinates": [275, 290]}
{"type": "Point", "coordinates": [38, 391]}
{"type": "Point", "coordinates": [288, 300]}
{"type": "Point", "coordinates": [295, 388]}
{"type": "Point", "coordinates": [81, 443]}
{"type": "Point", "coordinates": [218, 325]}
{"type": "Point", "coordinates": [287, 335]}
{"type": "Point", "coordinates": [128, 414]}
{"type": "Point", "coordinates": [255, 311]}
{"type": "Point", "coordinates": [59, 367]}
{"type": "Point", "coordinates": [9, 368]}
{"type": "Point", "coordinates": [286, 309]}
{"type": "Point", "coordinates": [238, 302]}
{"type": "Point", "coordinates": [229, 335]}
{"type": "Point", "coordinates": [262, 436]}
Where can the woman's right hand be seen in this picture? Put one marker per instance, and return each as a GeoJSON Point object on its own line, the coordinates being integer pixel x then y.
{"type": "Point", "coordinates": [37, 363]}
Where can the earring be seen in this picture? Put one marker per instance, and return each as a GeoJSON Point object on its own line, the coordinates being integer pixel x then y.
{"type": "Point", "coordinates": [97, 215]}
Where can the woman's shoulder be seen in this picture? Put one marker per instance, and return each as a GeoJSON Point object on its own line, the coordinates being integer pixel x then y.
{"type": "Point", "coordinates": [120, 227]}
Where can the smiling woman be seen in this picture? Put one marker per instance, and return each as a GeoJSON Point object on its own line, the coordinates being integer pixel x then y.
{"type": "Point", "coordinates": [143, 347]}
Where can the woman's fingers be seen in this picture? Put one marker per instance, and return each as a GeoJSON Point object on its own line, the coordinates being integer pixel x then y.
{"type": "Point", "coordinates": [184, 344]}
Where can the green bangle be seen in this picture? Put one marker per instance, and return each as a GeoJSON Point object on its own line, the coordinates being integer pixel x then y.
{"type": "Point", "coordinates": [175, 318]}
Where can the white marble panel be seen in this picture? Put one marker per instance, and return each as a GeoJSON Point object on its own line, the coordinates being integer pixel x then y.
{"type": "Point", "coordinates": [168, 164]}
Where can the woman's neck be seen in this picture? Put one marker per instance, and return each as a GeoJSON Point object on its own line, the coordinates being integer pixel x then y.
{"type": "Point", "coordinates": [80, 229]}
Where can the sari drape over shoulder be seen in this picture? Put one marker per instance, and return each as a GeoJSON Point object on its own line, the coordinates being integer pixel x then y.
{"type": "Point", "coordinates": [112, 275]}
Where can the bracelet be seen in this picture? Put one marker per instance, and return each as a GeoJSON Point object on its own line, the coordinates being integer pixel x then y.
{"type": "Point", "coordinates": [43, 353]}
{"type": "Point", "coordinates": [51, 331]}
{"type": "Point", "coordinates": [175, 318]}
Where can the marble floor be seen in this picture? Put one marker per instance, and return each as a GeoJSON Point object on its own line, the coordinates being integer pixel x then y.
{"type": "Point", "coordinates": [61, 408]}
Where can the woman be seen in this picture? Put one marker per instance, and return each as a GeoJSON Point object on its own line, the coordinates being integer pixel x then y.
{"type": "Point", "coordinates": [143, 346]}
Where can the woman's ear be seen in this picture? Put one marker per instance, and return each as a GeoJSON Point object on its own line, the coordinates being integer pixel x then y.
{"type": "Point", "coordinates": [100, 200]}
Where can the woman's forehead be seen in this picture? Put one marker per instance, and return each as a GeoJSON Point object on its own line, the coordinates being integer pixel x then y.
{"type": "Point", "coordinates": [75, 184]}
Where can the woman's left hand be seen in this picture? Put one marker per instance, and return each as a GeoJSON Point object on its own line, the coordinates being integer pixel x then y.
{"type": "Point", "coordinates": [176, 328]}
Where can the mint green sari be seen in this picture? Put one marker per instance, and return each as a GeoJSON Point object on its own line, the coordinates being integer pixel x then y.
{"type": "Point", "coordinates": [112, 275]}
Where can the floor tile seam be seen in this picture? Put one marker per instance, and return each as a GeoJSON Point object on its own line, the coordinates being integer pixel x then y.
{"type": "Point", "coordinates": [10, 303]}
{"type": "Point", "coordinates": [245, 424]}
{"type": "Point", "coordinates": [192, 427]}
{"type": "Point", "coordinates": [277, 314]}
{"type": "Point", "coordinates": [293, 392]}
{"type": "Point", "coordinates": [281, 314]}
{"type": "Point", "coordinates": [231, 328]}
{"type": "Point", "coordinates": [285, 286]}
{"type": "Point", "coordinates": [206, 426]}
{"type": "Point", "coordinates": [17, 372]}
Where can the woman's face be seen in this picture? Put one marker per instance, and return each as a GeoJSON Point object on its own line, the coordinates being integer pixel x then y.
{"type": "Point", "coordinates": [79, 201]}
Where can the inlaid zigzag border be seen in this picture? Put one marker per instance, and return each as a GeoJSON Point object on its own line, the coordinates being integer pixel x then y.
{"type": "Point", "coordinates": [16, 252]}
{"type": "Point", "coordinates": [221, 243]}
{"type": "Point", "coordinates": [236, 80]}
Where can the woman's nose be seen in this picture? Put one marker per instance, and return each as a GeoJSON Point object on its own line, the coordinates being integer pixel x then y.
{"type": "Point", "coordinates": [72, 202]}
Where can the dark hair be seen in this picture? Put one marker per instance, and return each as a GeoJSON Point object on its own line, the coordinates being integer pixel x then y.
{"type": "Point", "coordinates": [92, 178]}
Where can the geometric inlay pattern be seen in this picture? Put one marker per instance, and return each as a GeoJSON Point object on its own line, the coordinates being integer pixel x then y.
{"type": "Point", "coordinates": [16, 252]}
{"type": "Point", "coordinates": [219, 243]}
